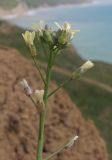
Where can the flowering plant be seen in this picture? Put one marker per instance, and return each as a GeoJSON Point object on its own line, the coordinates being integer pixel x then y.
{"type": "Point", "coordinates": [55, 40]}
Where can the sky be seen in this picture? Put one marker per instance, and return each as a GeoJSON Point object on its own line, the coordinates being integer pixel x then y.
{"type": "Point", "coordinates": [105, 1]}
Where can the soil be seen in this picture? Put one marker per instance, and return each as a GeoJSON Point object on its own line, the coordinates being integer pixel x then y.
{"type": "Point", "coordinates": [19, 118]}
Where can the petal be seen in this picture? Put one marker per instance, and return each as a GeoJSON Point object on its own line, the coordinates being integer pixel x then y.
{"type": "Point", "coordinates": [57, 24]}
{"type": "Point", "coordinates": [66, 26]}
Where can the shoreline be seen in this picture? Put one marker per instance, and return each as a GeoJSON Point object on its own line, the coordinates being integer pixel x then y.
{"type": "Point", "coordinates": [23, 10]}
{"type": "Point", "coordinates": [19, 10]}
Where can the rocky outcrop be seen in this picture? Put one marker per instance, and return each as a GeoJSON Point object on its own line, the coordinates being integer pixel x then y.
{"type": "Point", "coordinates": [19, 118]}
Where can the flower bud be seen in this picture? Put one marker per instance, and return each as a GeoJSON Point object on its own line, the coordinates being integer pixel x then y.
{"type": "Point", "coordinates": [47, 36]}
{"type": "Point", "coordinates": [65, 34]}
{"type": "Point", "coordinates": [29, 37]}
{"type": "Point", "coordinates": [86, 66]}
{"type": "Point", "coordinates": [66, 26]}
{"type": "Point", "coordinates": [26, 87]}
{"type": "Point", "coordinates": [72, 141]}
{"type": "Point", "coordinates": [38, 98]}
{"type": "Point", "coordinates": [62, 37]}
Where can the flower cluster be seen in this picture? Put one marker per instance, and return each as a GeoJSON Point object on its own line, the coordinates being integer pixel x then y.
{"type": "Point", "coordinates": [64, 35]}
{"type": "Point", "coordinates": [54, 39]}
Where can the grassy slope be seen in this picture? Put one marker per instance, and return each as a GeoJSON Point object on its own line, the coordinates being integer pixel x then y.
{"type": "Point", "coordinates": [95, 103]}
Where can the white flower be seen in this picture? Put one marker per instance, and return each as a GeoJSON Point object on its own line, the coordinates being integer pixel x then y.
{"type": "Point", "coordinates": [73, 33]}
{"type": "Point", "coordinates": [66, 26]}
{"type": "Point", "coordinates": [26, 87]}
{"type": "Point", "coordinates": [39, 27]}
{"type": "Point", "coordinates": [29, 37]}
{"type": "Point", "coordinates": [86, 66]}
{"type": "Point", "coordinates": [39, 96]}
{"type": "Point", "coordinates": [81, 70]}
{"type": "Point", "coordinates": [58, 25]}
{"type": "Point", "coordinates": [72, 141]}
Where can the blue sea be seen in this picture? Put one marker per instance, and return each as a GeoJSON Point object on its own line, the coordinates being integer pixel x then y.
{"type": "Point", "coordinates": [94, 41]}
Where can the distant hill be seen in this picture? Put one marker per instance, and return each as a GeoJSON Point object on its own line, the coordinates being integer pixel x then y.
{"type": "Point", "coordinates": [36, 3]}
{"type": "Point", "coordinates": [93, 93]}
{"type": "Point", "coordinates": [6, 4]}
{"type": "Point", "coordinates": [53, 2]}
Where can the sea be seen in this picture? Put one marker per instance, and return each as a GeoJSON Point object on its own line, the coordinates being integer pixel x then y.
{"type": "Point", "coordinates": [94, 41]}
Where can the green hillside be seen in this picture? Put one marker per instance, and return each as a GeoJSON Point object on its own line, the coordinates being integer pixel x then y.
{"type": "Point", "coordinates": [7, 4]}
{"type": "Point", "coordinates": [93, 93]}
{"type": "Point", "coordinates": [52, 2]}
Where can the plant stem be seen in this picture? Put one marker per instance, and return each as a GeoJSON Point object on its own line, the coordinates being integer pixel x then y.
{"type": "Point", "coordinates": [60, 86]}
{"type": "Point", "coordinates": [38, 68]}
{"type": "Point", "coordinates": [33, 101]}
{"type": "Point", "coordinates": [55, 153]}
{"type": "Point", "coordinates": [43, 114]}
{"type": "Point", "coordinates": [59, 150]}
{"type": "Point", "coordinates": [68, 144]}
{"type": "Point", "coordinates": [40, 137]}
{"type": "Point", "coordinates": [44, 50]}
{"type": "Point", "coordinates": [76, 76]}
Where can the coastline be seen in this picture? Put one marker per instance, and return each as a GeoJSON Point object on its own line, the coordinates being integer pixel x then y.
{"type": "Point", "coordinates": [20, 10]}
{"type": "Point", "coordinates": [23, 10]}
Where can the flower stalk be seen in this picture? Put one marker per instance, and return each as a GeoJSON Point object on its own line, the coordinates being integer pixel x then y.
{"type": "Point", "coordinates": [43, 114]}
{"type": "Point", "coordinates": [55, 41]}
{"type": "Point", "coordinates": [68, 144]}
{"type": "Point", "coordinates": [60, 86]}
{"type": "Point", "coordinates": [38, 68]}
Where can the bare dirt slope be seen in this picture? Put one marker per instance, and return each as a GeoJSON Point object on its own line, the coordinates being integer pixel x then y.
{"type": "Point", "coordinates": [19, 118]}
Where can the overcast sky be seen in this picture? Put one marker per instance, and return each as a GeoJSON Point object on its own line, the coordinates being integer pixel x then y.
{"type": "Point", "coordinates": [106, 1]}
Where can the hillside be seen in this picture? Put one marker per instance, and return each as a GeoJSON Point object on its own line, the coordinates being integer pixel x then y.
{"type": "Point", "coordinates": [94, 101]}
{"type": "Point", "coordinates": [6, 4]}
{"type": "Point", "coordinates": [53, 2]}
{"type": "Point", "coordinates": [19, 118]}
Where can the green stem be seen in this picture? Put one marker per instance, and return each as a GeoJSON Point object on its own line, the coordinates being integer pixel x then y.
{"type": "Point", "coordinates": [43, 114]}
{"type": "Point", "coordinates": [59, 150]}
{"type": "Point", "coordinates": [40, 137]}
{"type": "Point", "coordinates": [33, 101]}
{"type": "Point", "coordinates": [60, 86]}
{"type": "Point", "coordinates": [73, 77]}
{"type": "Point", "coordinates": [44, 50]}
{"type": "Point", "coordinates": [55, 153]}
{"type": "Point", "coordinates": [38, 68]}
